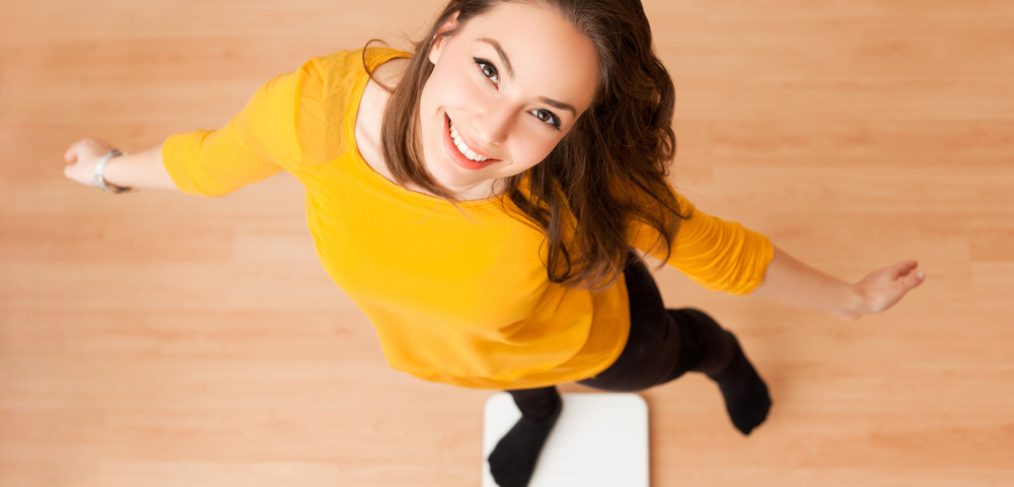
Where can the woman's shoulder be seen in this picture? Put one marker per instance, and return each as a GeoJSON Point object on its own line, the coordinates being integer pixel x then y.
{"type": "Point", "coordinates": [346, 66]}
{"type": "Point", "coordinates": [329, 95]}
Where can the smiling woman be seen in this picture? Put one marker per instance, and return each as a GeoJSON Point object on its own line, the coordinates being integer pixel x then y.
{"type": "Point", "coordinates": [469, 197]}
{"type": "Point", "coordinates": [479, 200]}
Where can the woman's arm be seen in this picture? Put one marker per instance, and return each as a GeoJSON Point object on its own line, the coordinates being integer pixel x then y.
{"type": "Point", "coordinates": [789, 281]}
{"type": "Point", "coordinates": [140, 170]}
{"type": "Point", "coordinates": [143, 170]}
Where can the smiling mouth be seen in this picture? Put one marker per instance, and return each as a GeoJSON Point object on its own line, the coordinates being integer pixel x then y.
{"type": "Point", "coordinates": [448, 128]}
{"type": "Point", "coordinates": [456, 153]}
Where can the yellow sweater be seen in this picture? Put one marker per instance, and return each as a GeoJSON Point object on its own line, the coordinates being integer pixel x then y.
{"type": "Point", "coordinates": [455, 298]}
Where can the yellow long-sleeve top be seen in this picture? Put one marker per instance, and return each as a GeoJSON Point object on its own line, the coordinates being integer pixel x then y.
{"type": "Point", "coordinates": [460, 298]}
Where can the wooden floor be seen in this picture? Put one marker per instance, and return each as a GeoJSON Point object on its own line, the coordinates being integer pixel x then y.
{"type": "Point", "coordinates": [155, 339]}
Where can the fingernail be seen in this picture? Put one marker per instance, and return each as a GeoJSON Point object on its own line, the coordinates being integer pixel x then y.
{"type": "Point", "coordinates": [920, 274]}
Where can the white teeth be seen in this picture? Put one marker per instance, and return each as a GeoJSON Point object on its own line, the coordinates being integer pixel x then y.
{"type": "Point", "coordinates": [460, 144]}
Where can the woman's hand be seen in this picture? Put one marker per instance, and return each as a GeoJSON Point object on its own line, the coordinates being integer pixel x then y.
{"type": "Point", "coordinates": [81, 158]}
{"type": "Point", "coordinates": [881, 289]}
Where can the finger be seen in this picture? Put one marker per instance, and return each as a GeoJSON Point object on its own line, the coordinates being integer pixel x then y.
{"type": "Point", "coordinates": [904, 267]}
{"type": "Point", "coordinates": [915, 278]}
{"type": "Point", "coordinates": [68, 155]}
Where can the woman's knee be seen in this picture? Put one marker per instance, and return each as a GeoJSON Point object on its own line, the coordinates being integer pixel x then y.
{"type": "Point", "coordinates": [704, 345]}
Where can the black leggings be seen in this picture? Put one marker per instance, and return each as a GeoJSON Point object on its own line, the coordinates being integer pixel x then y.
{"type": "Point", "coordinates": [663, 345]}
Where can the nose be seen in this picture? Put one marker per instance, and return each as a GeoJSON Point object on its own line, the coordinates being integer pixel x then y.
{"type": "Point", "coordinates": [491, 127]}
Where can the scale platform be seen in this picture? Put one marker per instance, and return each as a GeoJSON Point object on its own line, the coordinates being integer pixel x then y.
{"type": "Point", "coordinates": [600, 439]}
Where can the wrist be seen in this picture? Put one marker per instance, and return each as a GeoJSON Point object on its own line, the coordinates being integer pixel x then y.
{"type": "Point", "coordinates": [851, 308]}
{"type": "Point", "coordinates": [113, 173]}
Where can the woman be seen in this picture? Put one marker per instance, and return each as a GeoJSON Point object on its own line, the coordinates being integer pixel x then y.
{"type": "Point", "coordinates": [480, 201]}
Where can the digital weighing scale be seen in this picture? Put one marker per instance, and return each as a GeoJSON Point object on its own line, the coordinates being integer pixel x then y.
{"type": "Point", "coordinates": [600, 440]}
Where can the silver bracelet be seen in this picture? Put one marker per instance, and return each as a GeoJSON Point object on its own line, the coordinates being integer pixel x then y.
{"type": "Point", "coordinates": [100, 168]}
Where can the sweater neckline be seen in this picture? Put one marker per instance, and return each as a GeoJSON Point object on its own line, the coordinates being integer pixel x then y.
{"type": "Point", "coordinates": [375, 58]}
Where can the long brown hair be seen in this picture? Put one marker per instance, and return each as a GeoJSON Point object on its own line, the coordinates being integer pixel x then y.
{"type": "Point", "coordinates": [608, 175]}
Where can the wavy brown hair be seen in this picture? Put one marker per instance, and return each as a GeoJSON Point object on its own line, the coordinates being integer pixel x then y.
{"type": "Point", "coordinates": [607, 176]}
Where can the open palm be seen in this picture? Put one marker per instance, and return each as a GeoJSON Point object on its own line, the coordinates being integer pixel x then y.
{"type": "Point", "coordinates": [882, 289]}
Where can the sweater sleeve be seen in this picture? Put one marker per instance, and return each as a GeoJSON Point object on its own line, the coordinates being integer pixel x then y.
{"type": "Point", "coordinates": [263, 139]}
{"type": "Point", "coordinates": [718, 254]}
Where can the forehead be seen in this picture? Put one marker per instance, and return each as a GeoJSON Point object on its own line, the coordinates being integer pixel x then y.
{"type": "Point", "coordinates": [550, 57]}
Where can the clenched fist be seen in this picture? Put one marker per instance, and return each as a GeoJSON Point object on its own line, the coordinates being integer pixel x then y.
{"type": "Point", "coordinates": [81, 158]}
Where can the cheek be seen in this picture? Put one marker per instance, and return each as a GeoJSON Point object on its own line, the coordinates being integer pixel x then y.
{"type": "Point", "coordinates": [532, 153]}
{"type": "Point", "coordinates": [452, 86]}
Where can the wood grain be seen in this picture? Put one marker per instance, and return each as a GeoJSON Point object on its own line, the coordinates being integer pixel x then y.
{"type": "Point", "coordinates": [161, 340]}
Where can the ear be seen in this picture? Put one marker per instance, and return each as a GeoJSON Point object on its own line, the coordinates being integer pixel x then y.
{"type": "Point", "coordinates": [441, 40]}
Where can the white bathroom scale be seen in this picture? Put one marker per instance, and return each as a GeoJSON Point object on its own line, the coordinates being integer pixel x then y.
{"type": "Point", "coordinates": [600, 439]}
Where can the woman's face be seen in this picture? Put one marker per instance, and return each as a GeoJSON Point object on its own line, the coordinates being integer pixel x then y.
{"type": "Point", "coordinates": [513, 104]}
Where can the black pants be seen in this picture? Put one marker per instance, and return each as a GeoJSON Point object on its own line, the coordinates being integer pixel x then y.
{"type": "Point", "coordinates": [663, 345]}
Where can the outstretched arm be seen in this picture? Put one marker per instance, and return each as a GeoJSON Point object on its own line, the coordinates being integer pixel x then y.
{"type": "Point", "coordinates": [790, 281]}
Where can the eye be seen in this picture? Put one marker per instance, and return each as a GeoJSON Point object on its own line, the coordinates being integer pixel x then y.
{"type": "Point", "coordinates": [483, 65]}
{"type": "Point", "coordinates": [553, 119]}
{"type": "Point", "coordinates": [489, 71]}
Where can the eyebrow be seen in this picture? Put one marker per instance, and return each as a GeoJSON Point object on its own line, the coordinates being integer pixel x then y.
{"type": "Point", "coordinates": [510, 71]}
